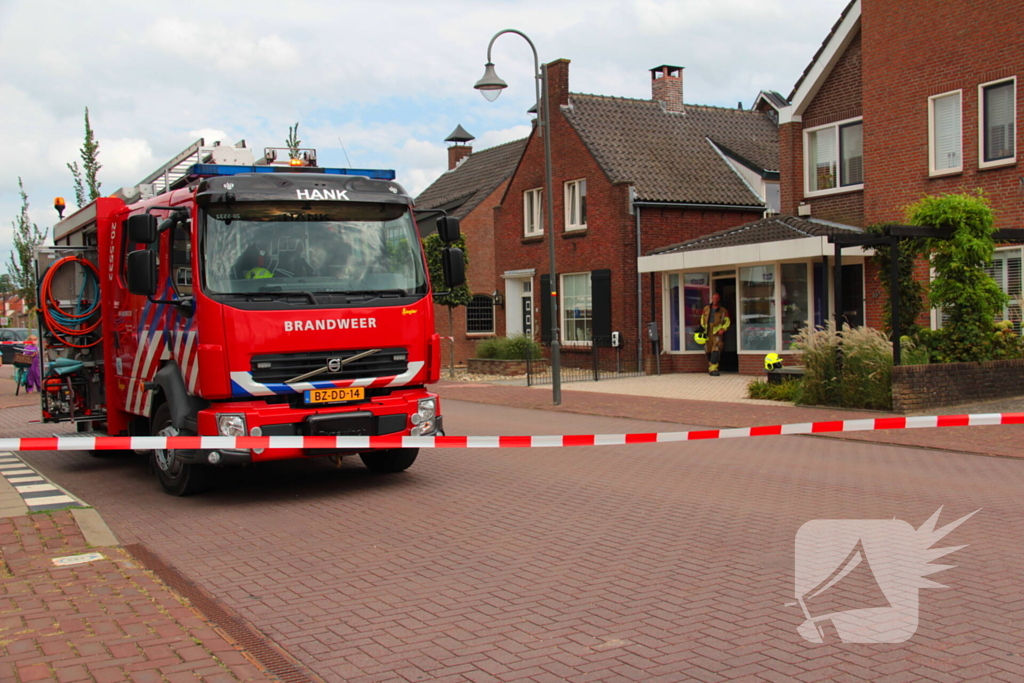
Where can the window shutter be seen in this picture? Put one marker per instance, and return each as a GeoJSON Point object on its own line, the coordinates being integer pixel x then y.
{"type": "Point", "coordinates": [947, 132]}
{"type": "Point", "coordinates": [601, 291]}
{"type": "Point", "coordinates": [545, 308]}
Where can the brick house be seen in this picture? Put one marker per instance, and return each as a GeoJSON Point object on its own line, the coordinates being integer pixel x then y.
{"type": "Point", "coordinates": [469, 190]}
{"type": "Point", "coordinates": [629, 175]}
{"type": "Point", "coordinates": [894, 105]}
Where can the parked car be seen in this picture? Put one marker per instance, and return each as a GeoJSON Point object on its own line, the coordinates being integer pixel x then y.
{"type": "Point", "coordinates": [11, 342]}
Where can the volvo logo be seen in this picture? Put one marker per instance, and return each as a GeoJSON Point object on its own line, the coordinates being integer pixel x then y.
{"type": "Point", "coordinates": [334, 364]}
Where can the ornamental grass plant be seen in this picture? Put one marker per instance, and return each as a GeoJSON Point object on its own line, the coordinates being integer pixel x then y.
{"type": "Point", "coordinates": [851, 370]}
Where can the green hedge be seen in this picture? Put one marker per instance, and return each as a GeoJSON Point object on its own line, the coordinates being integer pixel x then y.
{"type": "Point", "coordinates": [516, 347]}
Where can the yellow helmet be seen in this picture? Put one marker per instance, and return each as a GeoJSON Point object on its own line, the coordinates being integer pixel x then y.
{"type": "Point", "coordinates": [772, 361]}
{"type": "Point", "coordinates": [700, 337]}
{"type": "Point", "coordinates": [257, 273]}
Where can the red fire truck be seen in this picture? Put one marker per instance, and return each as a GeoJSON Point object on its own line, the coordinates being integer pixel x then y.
{"type": "Point", "coordinates": [228, 296]}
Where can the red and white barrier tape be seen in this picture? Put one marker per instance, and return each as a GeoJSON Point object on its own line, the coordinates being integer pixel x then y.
{"type": "Point", "coordinates": [100, 443]}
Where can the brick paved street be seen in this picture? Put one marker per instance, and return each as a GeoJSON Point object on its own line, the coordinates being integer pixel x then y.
{"type": "Point", "coordinates": [106, 620]}
{"type": "Point", "coordinates": [655, 562]}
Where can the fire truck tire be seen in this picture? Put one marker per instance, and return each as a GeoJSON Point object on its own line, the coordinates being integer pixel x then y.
{"type": "Point", "coordinates": [176, 478]}
{"type": "Point", "coordinates": [395, 460]}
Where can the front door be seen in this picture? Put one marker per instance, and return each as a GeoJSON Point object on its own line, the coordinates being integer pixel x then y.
{"type": "Point", "coordinates": [726, 288]}
{"type": "Point", "coordinates": [853, 295]}
{"type": "Point", "coordinates": [528, 307]}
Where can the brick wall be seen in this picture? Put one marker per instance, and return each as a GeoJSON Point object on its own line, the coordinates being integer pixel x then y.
{"type": "Point", "coordinates": [920, 387]}
{"type": "Point", "coordinates": [911, 51]}
{"type": "Point", "coordinates": [839, 98]}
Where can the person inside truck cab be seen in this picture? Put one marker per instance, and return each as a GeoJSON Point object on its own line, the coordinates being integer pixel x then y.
{"type": "Point", "coordinates": [254, 263]}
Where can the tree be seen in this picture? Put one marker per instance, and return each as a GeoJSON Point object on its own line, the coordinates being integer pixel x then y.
{"type": "Point", "coordinates": [27, 236]}
{"type": "Point", "coordinates": [457, 296]}
{"type": "Point", "coordinates": [968, 297]}
{"type": "Point", "coordinates": [90, 153]}
{"type": "Point", "coordinates": [7, 290]}
{"type": "Point", "coordinates": [293, 141]}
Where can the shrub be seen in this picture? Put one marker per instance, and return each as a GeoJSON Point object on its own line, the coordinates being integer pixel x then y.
{"type": "Point", "coordinates": [968, 296]}
{"type": "Point", "coordinates": [913, 351]}
{"type": "Point", "coordinates": [516, 347]}
{"type": "Point", "coordinates": [788, 390]}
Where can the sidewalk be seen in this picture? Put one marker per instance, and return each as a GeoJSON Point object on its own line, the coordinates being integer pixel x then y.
{"type": "Point", "coordinates": [697, 400]}
{"type": "Point", "coordinates": [103, 620]}
{"type": "Point", "coordinates": [105, 615]}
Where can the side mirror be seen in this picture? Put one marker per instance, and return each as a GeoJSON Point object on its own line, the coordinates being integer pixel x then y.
{"type": "Point", "coordinates": [448, 229]}
{"type": "Point", "coordinates": [142, 271]}
{"type": "Point", "coordinates": [176, 218]}
{"type": "Point", "coordinates": [142, 228]}
{"type": "Point", "coordinates": [453, 267]}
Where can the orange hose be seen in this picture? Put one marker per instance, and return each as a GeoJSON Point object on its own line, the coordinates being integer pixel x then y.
{"type": "Point", "coordinates": [46, 294]}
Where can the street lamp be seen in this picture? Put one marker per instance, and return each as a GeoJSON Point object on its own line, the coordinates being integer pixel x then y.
{"type": "Point", "coordinates": [490, 86]}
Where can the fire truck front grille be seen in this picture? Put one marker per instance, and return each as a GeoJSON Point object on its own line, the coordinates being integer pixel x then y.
{"type": "Point", "coordinates": [279, 368]}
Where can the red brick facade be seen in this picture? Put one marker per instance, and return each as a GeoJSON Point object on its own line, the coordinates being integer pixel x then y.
{"type": "Point", "coordinates": [911, 52]}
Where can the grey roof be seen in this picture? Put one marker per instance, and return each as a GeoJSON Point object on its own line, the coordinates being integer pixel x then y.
{"type": "Point", "coordinates": [774, 98]}
{"type": "Point", "coordinates": [667, 155]}
{"type": "Point", "coordinates": [461, 189]}
{"type": "Point", "coordinates": [772, 229]}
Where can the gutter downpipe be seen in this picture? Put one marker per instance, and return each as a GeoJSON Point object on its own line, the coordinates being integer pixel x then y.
{"type": "Point", "coordinates": [684, 205]}
{"type": "Point", "coordinates": [641, 337]}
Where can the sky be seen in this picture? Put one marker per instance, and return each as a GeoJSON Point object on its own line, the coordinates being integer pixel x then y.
{"type": "Point", "coordinates": [371, 84]}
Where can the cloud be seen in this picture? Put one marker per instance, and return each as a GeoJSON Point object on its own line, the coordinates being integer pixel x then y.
{"type": "Point", "coordinates": [391, 85]}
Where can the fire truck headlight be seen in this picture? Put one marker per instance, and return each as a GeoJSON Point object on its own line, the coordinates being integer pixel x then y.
{"type": "Point", "coordinates": [427, 409]}
{"type": "Point", "coordinates": [231, 425]}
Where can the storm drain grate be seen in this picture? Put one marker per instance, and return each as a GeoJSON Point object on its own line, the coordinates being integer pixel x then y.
{"type": "Point", "coordinates": [256, 645]}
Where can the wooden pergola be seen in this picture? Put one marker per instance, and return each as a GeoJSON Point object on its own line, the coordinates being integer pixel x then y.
{"type": "Point", "coordinates": [897, 233]}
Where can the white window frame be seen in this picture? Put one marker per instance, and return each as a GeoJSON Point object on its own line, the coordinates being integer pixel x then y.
{"type": "Point", "coordinates": [565, 310]}
{"type": "Point", "coordinates": [532, 225]}
{"type": "Point", "coordinates": [573, 191]}
{"type": "Point", "coordinates": [839, 188]}
{"type": "Point", "coordinates": [981, 124]}
{"type": "Point", "coordinates": [932, 171]}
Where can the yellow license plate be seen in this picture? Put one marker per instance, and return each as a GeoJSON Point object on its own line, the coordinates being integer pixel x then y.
{"type": "Point", "coordinates": [335, 395]}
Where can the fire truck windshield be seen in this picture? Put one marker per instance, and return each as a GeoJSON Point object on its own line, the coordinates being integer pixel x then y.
{"type": "Point", "coordinates": [298, 247]}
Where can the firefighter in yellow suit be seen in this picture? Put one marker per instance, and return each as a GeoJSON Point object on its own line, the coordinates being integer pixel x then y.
{"type": "Point", "coordinates": [715, 321]}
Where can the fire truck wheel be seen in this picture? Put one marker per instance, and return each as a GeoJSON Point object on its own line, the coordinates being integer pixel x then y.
{"type": "Point", "coordinates": [176, 478]}
{"type": "Point", "coordinates": [395, 460]}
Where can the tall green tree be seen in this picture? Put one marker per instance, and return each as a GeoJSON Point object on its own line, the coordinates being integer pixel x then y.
{"type": "Point", "coordinates": [969, 298]}
{"type": "Point", "coordinates": [27, 236]}
{"type": "Point", "coordinates": [87, 188]}
{"type": "Point", "coordinates": [453, 298]}
{"type": "Point", "coordinates": [293, 142]}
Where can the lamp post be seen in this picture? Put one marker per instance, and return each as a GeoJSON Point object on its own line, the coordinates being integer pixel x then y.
{"type": "Point", "coordinates": [490, 86]}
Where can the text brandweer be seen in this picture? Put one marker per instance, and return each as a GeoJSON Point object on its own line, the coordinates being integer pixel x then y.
{"type": "Point", "coordinates": [330, 324]}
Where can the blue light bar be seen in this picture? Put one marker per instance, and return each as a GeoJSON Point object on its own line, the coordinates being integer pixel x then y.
{"type": "Point", "coordinates": [212, 170]}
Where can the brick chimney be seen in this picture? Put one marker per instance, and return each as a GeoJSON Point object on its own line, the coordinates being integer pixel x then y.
{"type": "Point", "coordinates": [558, 83]}
{"type": "Point", "coordinates": [667, 86]}
{"type": "Point", "coordinates": [460, 150]}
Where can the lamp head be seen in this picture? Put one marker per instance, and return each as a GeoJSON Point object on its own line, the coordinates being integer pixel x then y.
{"type": "Point", "coordinates": [490, 85]}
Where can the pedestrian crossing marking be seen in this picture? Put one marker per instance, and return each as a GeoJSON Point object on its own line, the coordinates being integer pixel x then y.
{"type": "Point", "coordinates": [35, 490]}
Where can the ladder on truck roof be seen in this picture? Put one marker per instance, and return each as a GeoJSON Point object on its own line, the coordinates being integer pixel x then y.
{"type": "Point", "coordinates": [174, 173]}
